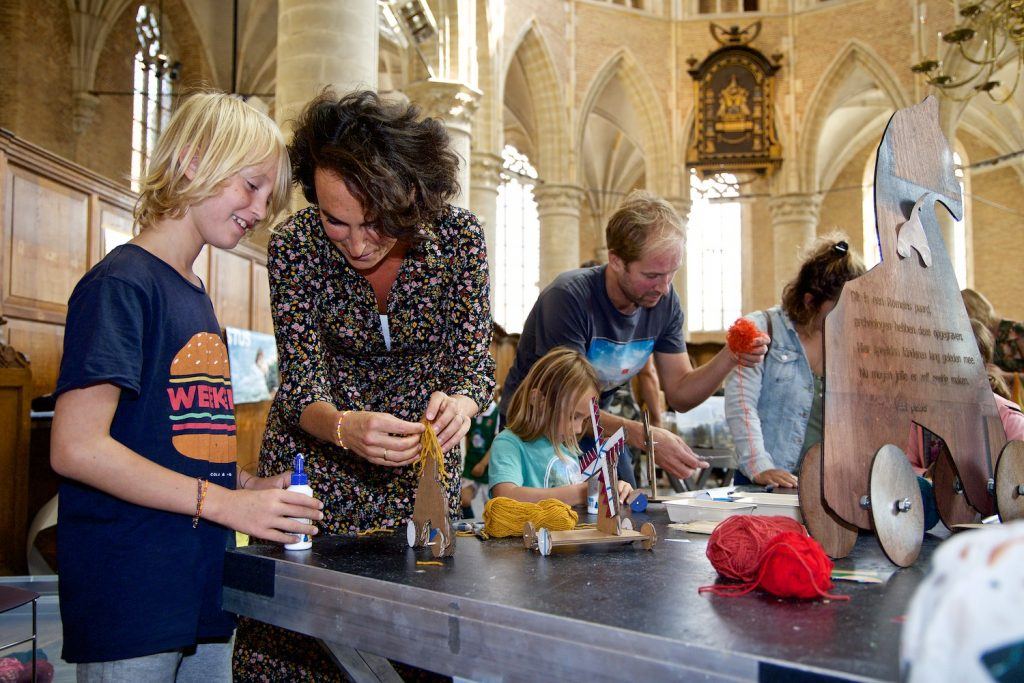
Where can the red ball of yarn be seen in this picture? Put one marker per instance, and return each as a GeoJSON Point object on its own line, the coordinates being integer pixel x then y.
{"type": "Point", "coordinates": [737, 544]}
{"type": "Point", "coordinates": [742, 336]}
{"type": "Point", "coordinates": [795, 566]}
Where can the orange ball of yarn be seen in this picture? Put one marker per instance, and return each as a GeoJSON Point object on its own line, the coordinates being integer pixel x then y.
{"type": "Point", "coordinates": [737, 544]}
{"type": "Point", "coordinates": [795, 566]}
{"type": "Point", "coordinates": [742, 336]}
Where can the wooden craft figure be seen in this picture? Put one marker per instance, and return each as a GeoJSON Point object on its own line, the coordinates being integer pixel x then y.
{"type": "Point", "coordinates": [899, 350]}
{"type": "Point", "coordinates": [614, 524]}
{"type": "Point", "coordinates": [652, 472]}
{"type": "Point", "coordinates": [430, 524]}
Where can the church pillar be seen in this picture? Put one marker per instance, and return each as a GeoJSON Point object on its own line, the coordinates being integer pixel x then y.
{"type": "Point", "coordinates": [558, 207]}
{"type": "Point", "coordinates": [682, 206]}
{"type": "Point", "coordinates": [485, 170]}
{"type": "Point", "coordinates": [323, 44]}
{"type": "Point", "coordinates": [453, 103]}
{"type": "Point", "coordinates": [794, 225]}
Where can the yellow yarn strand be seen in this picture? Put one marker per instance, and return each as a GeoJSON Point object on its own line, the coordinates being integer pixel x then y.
{"type": "Point", "coordinates": [430, 448]}
{"type": "Point", "coordinates": [506, 517]}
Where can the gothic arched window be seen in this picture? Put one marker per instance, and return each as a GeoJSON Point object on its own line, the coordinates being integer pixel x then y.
{"type": "Point", "coordinates": [151, 104]}
{"type": "Point", "coordinates": [958, 251]}
{"type": "Point", "coordinates": [714, 290]}
{"type": "Point", "coordinates": [517, 248]}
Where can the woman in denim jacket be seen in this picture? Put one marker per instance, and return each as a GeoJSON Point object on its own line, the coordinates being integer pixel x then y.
{"type": "Point", "coordinates": [774, 410]}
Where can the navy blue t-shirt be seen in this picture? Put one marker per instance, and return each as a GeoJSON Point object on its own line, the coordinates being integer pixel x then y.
{"type": "Point", "coordinates": [574, 311]}
{"type": "Point", "coordinates": [136, 581]}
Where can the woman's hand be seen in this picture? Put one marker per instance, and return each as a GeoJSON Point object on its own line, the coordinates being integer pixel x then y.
{"type": "Point", "coordinates": [624, 490]}
{"type": "Point", "coordinates": [775, 477]}
{"type": "Point", "coordinates": [381, 438]}
{"type": "Point", "coordinates": [252, 482]}
{"type": "Point", "coordinates": [450, 417]}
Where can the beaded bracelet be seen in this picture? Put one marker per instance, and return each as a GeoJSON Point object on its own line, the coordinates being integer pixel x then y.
{"type": "Point", "coordinates": [337, 428]}
{"type": "Point", "coordinates": [201, 486]}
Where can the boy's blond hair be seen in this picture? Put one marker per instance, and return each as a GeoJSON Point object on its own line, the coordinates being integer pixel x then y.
{"type": "Point", "coordinates": [547, 394]}
{"type": "Point", "coordinates": [223, 135]}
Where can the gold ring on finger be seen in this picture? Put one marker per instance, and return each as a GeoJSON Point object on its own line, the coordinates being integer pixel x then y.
{"type": "Point", "coordinates": [385, 454]}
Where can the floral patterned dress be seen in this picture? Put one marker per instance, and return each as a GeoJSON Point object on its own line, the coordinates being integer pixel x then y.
{"type": "Point", "coordinates": [331, 348]}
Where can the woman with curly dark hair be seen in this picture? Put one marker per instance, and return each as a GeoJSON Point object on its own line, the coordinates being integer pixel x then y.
{"type": "Point", "coordinates": [775, 409]}
{"type": "Point", "coordinates": [379, 294]}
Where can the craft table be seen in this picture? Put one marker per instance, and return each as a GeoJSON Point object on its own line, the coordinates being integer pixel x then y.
{"type": "Point", "coordinates": [496, 611]}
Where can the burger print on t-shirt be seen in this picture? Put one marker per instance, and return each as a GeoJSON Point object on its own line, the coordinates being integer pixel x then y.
{"type": "Point", "coordinates": [202, 405]}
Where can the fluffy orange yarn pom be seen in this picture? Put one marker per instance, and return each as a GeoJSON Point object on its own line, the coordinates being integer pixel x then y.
{"type": "Point", "coordinates": [742, 336]}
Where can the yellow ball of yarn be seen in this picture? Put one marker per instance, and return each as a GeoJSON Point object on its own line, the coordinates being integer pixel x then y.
{"type": "Point", "coordinates": [506, 517]}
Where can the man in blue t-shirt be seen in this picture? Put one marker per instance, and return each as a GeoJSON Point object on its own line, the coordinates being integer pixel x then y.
{"type": "Point", "coordinates": [621, 314]}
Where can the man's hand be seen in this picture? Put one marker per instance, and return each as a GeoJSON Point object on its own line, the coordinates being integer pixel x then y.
{"type": "Point", "coordinates": [756, 354]}
{"type": "Point", "coordinates": [673, 455]}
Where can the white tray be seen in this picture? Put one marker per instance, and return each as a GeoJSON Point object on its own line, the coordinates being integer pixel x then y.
{"type": "Point", "coordinates": [770, 504]}
{"type": "Point", "coordinates": [693, 509]}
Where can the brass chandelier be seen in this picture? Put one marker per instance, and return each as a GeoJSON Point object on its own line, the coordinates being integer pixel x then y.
{"type": "Point", "coordinates": [988, 36]}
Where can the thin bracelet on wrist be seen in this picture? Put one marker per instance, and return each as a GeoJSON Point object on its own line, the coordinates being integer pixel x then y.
{"type": "Point", "coordinates": [201, 486]}
{"type": "Point", "coordinates": [339, 441]}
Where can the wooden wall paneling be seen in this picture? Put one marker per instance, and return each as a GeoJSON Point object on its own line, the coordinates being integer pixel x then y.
{"type": "Point", "coordinates": [94, 238]}
{"type": "Point", "coordinates": [115, 227]}
{"type": "Point", "coordinates": [14, 446]}
{"type": "Point", "coordinates": [43, 343]}
{"type": "Point", "coordinates": [5, 222]}
{"type": "Point", "coordinates": [202, 266]}
{"type": "Point", "coordinates": [48, 250]}
{"type": "Point", "coordinates": [261, 318]}
{"type": "Point", "coordinates": [251, 420]}
{"type": "Point", "coordinates": [231, 288]}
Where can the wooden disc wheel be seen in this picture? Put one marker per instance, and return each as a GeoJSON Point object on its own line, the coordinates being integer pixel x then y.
{"type": "Point", "coordinates": [529, 536]}
{"type": "Point", "coordinates": [896, 507]}
{"type": "Point", "coordinates": [651, 536]}
{"type": "Point", "coordinates": [413, 535]}
{"type": "Point", "coordinates": [1010, 481]}
{"type": "Point", "coordinates": [544, 541]}
{"type": "Point", "coordinates": [835, 535]}
{"type": "Point", "coordinates": [950, 498]}
{"type": "Point", "coordinates": [442, 544]}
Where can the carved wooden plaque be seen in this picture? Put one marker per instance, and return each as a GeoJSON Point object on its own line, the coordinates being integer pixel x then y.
{"type": "Point", "coordinates": [898, 345]}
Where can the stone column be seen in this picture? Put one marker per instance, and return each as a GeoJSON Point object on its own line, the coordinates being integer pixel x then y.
{"type": "Point", "coordinates": [323, 44]}
{"type": "Point", "coordinates": [682, 206]}
{"type": "Point", "coordinates": [794, 225]}
{"type": "Point", "coordinates": [454, 103]}
{"type": "Point", "coordinates": [484, 171]}
{"type": "Point", "coordinates": [558, 207]}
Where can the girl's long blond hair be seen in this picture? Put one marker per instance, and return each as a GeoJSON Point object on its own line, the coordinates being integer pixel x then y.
{"type": "Point", "coordinates": [546, 396]}
{"type": "Point", "coordinates": [222, 135]}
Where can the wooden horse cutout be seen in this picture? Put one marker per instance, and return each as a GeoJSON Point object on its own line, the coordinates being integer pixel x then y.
{"type": "Point", "coordinates": [430, 524]}
{"type": "Point", "coordinates": [899, 350]}
{"type": "Point", "coordinates": [614, 524]}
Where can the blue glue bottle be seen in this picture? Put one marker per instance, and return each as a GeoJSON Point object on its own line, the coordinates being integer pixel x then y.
{"type": "Point", "coordinates": [300, 484]}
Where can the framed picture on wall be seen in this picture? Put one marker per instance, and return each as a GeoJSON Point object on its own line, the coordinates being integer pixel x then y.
{"type": "Point", "coordinates": [253, 357]}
